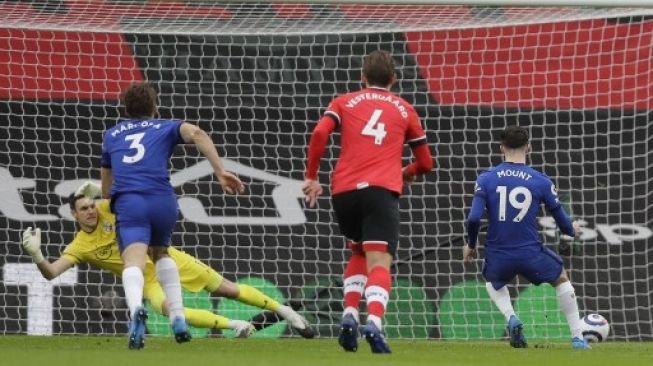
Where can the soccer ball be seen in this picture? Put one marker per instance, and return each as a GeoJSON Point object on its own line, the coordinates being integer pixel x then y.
{"type": "Point", "coordinates": [595, 328]}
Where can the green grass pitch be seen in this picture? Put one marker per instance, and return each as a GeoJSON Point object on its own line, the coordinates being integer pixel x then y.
{"type": "Point", "coordinates": [100, 351]}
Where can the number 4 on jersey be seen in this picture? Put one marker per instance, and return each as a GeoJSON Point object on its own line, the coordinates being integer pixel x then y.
{"type": "Point", "coordinates": [375, 128]}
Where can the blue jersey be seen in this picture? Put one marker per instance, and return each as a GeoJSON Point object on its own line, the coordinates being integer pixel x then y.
{"type": "Point", "coordinates": [512, 195]}
{"type": "Point", "coordinates": [138, 151]}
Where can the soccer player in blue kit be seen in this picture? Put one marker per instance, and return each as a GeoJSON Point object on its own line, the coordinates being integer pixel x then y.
{"type": "Point", "coordinates": [135, 155]}
{"type": "Point", "coordinates": [512, 193]}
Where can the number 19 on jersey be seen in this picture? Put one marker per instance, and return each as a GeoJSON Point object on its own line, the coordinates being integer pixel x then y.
{"type": "Point", "coordinates": [513, 197]}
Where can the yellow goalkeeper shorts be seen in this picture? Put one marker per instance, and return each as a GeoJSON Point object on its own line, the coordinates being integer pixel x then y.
{"type": "Point", "coordinates": [195, 276]}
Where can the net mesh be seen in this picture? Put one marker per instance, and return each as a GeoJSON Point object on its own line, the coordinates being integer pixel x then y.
{"type": "Point", "coordinates": [257, 77]}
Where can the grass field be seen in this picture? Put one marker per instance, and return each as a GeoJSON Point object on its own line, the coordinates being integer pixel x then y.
{"type": "Point", "coordinates": [100, 351]}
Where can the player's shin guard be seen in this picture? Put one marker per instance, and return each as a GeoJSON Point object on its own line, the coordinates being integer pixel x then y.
{"type": "Point", "coordinates": [132, 282]}
{"type": "Point", "coordinates": [569, 307]}
{"type": "Point", "coordinates": [251, 296]}
{"type": "Point", "coordinates": [377, 293]}
{"type": "Point", "coordinates": [168, 276]}
{"type": "Point", "coordinates": [501, 299]}
{"type": "Point", "coordinates": [355, 279]}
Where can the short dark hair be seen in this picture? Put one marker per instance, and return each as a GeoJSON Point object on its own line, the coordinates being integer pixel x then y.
{"type": "Point", "coordinates": [140, 100]}
{"type": "Point", "coordinates": [379, 68]}
{"type": "Point", "coordinates": [73, 200]}
{"type": "Point", "coordinates": [514, 137]}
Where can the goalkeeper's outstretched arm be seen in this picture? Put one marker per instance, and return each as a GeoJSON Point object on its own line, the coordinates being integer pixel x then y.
{"type": "Point", "coordinates": [32, 245]}
{"type": "Point", "coordinates": [32, 239]}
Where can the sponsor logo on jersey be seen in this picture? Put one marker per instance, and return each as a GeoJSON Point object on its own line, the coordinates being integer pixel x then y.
{"type": "Point", "coordinates": [103, 253]}
{"type": "Point", "coordinates": [108, 227]}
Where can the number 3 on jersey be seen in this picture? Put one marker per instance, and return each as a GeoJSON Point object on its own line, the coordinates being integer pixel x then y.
{"type": "Point", "coordinates": [135, 144]}
{"type": "Point", "coordinates": [522, 205]}
{"type": "Point", "coordinates": [375, 128]}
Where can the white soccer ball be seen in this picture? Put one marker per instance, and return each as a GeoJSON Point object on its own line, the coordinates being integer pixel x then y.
{"type": "Point", "coordinates": [595, 328]}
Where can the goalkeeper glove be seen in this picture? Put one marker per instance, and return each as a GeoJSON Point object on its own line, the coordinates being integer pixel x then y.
{"type": "Point", "coordinates": [89, 189]}
{"type": "Point", "coordinates": [32, 244]}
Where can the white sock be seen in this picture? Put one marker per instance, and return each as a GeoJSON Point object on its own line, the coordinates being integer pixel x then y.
{"type": "Point", "coordinates": [168, 276]}
{"type": "Point", "coordinates": [569, 307]}
{"type": "Point", "coordinates": [376, 320]}
{"type": "Point", "coordinates": [295, 320]}
{"type": "Point", "coordinates": [132, 282]}
{"type": "Point", "coordinates": [285, 311]}
{"type": "Point", "coordinates": [351, 310]}
{"type": "Point", "coordinates": [236, 324]}
{"type": "Point", "coordinates": [501, 298]}
{"type": "Point", "coordinates": [355, 283]}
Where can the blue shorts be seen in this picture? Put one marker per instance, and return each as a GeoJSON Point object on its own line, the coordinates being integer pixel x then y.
{"type": "Point", "coordinates": [148, 219]}
{"type": "Point", "coordinates": [546, 266]}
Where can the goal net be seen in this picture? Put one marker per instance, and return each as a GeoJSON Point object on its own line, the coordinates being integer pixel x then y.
{"type": "Point", "coordinates": [257, 77]}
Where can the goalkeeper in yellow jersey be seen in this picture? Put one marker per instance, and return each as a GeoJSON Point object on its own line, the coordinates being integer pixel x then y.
{"type": "Point", "coordinates": [95, 243]}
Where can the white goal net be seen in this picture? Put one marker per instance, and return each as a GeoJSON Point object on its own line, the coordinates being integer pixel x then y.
{"type": "Point", "coordinates": [257, 77]}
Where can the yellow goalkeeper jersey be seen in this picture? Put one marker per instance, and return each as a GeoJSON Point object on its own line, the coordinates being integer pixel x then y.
{"type": "Point", "coordinates": [100, 249]}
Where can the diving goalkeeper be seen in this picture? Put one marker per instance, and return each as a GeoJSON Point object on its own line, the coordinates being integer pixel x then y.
{"type": "Point", "coordinates": [95, 243]}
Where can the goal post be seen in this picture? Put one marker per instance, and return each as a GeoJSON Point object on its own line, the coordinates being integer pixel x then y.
{"type": "Point", "coordinates": [258, 75]}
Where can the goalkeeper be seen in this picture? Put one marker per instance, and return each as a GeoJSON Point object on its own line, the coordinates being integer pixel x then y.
{"type": "Point", "coordinates": [95, 243]}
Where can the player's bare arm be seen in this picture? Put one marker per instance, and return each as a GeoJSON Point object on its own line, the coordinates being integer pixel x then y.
{"type": "Point", "coordinates": [469, 253]}
{"type": "Point", "coordinates": [32, 246]}
{"type": "Point", "coordinates": [52, 270]}
{"type": "Point", "coordinates": [195, 135]}
{"type": "Point", "coordinates": [408, 178]}
{"type": "Point", "coordinates": [312, 190]}
{"type": "Point", "coordinates": [577, 228]}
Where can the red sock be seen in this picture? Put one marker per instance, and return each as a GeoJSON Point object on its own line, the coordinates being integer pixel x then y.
{"type": "Point", "coordinates": [355, 277]}
{"type": "Point", "coordinates": [377, 291]}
